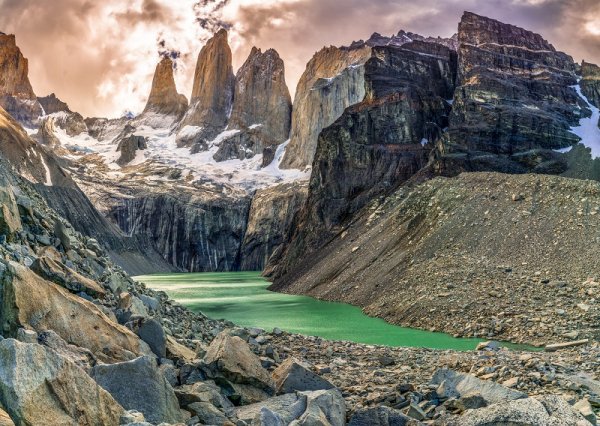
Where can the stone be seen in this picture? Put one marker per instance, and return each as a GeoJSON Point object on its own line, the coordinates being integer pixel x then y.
{"type": "Point", "coordinates": [37, 386]}
{"type": "Point", "coordinates": [558, 346]}
{"type": "Point", "coordinates": [131, 416]}
{"type": "Point", "coordinates": [319, 408]}
{"type": "Point", "coordinates": [179, 352]}
{"type": "Point", "coordinates": [232, 357]}
{"type": "Point", "coordinates": [139, 385]}
{"type": "Point", "coordinates": [164, 98]}
{"type": "Point", "coordinates": [150, 302]}
{"type": "Point", "coordinates": [379, 416]}
{"type": "Point", "coordinates": [416, 412]}
{"type": "Point", "coordinates": [10, 220]}
{"type": "Point", "coordinates": [584, 407]}
{"type": "Point", "coordinates": [57, 272]}
{"type": "Point", "coordinates": [5, 420]}
{"type": "Point", "coordinates": [471, 401]}
{"type": "Point", "coordinates": [151, 332]}
{"type": "Point", "coordinates": [547, 410]}
{"type": "Point", "coordinates": [128, 147]}
{"type": "Point", "coordinates": [208, 414]}
{"type": "Point", "coordinates": [292, 375]}
{"type": "Point", "coordinates": [206, 391]}
{"type": "Point", "coordinates": [453, 385]}
{"type": "Point", "coordinates": [31, 302]}
{"type": "Point", "coordinates": [27, 336]}
{"type": "Point", "coordinates": [80, 356]}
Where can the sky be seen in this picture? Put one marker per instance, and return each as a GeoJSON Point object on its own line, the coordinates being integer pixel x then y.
{"type": "Point", "coordinates": [99, 56]}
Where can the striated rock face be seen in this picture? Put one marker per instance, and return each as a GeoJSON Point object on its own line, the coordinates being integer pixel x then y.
{"type": "Point", "coordinates": [194, 231]}
{"type": "Point", "coordinates": [272, 217]}
{"type": "Point", "coordinates": [16, 93]}
{"type": "Point", "coordinates": [332, 81]}
{"type": "Point", "coordinates": [164, 98]}
{"type": "Point", "coordinates": [262, 102]}
{"type": "Point", "coordinates": [513, 106]}
{"type": "Point", "coordinates": [378, 143]}
{"type": "Point", "coordinates": [212, 94]}
{"type": "Point", "coordinates": [404, 37]}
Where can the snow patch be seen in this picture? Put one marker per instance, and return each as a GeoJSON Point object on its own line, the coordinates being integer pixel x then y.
{"type": "Point", "coordinates": [48, 174]}
{"type": "Point", "coordinates": [424, 141]}
{"type": "Point", "coordinates": [255, 126]}
{"type": "Point", "coordinates": [588, 129]}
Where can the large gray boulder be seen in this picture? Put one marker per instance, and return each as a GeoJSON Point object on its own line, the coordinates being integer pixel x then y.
{"type": "Point", "coordinates": [139, 385]}
{"type": "Point", "coordinates": [380, 416]}
{"type": "Point", "coordinates": [453, 385]}
{"type": "Point", "coordinates": [292, 375]}
{"type": "Point", "coordinates": [316, 408]}
{"type": "Point", "coordinates": [151, 332]}
{"type": "Point", "coordinates": [232, 357]}
{"type": "Point", "coordinates": [39, 387]}
{"type": "Point", "coordinates": [546, 410]}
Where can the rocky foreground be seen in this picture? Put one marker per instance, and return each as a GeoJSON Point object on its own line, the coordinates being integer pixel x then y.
{"type": "Point", "coordinates": [84, 344]}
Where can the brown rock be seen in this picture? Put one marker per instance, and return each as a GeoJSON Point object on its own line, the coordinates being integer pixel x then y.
{"type": "Point", "coordinates": [31, 302]}
{"type": "Point", "coordinates": [164, 98]}
{"type": "Point", "coordinates": [212, 94]}
{"type": "Point", "coordinates": [232, 357]}
{"type": "Point", "coordinates": [55, 271]}
{"type": "Point", "coordinates": [177, 351]}
{"type": "Point", "coordinates": [5, 419]}
{"type": "Point", "coordinates": [16, 93]}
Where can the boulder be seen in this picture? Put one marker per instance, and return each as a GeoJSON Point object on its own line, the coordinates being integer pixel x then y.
{"type": "Point", "coordinates": [10, 221]}
{"type": "Point", "coordinates": [203, 392]}
{"type": "Point", "coordinates": [39, 387]}
{"type": "Point", "coordinates": [151, 332]}
{"type": "Point", "coordinates": [179, 352]}
{"type": "Point", "coordinates": [232, 358]}
{"type": "Point", "coordinates": [31, 302]}
{"type": "Point", "coordinates": [546, 410]}
{"type": "Point", "coordinates": [379, 416]}
{"type": "Point", "coordinates": [5, 419]}
{"type": "Point", "coordinates": [208, 414]}
{"type": "Point", "coordinates": [317, 408]}
{"type": "Point", "coordinates": [454, 385]}
{"type": "Point", "coordinates": [55, 271]}
{"type": "Point", "coordinates": [128, 147]}
{"type": "Point", "coordinates": [80, 356]}
{"type": "Point", "coordinates": [292, 375]}
{"type": "Point", "coordinates": [139, 385]}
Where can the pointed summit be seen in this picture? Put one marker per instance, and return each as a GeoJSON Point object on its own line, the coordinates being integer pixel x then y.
{"type": "Point", "coordinates": [262, 97]}
{"type": "Point", "coordinates": [164, 98]}
{"type": "Point", "coordinates": [16, 94]}
{"type": "Point", "coordinates": [212, 94]}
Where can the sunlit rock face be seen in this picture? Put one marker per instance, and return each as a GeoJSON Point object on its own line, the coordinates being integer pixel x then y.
{"type": "Point", "coordinates": [333, 80]}
{"type": "Point", "coordinates": [164, 98]}
{"type": "Point", "coordinates": [16, 94]}
{"type": "Point", "coordinates": [261, 110]}
{"type": "Point", "coordinates": [212, 93]}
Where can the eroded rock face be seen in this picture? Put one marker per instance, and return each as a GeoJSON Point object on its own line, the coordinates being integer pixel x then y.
{"type": "Point", "coordinates": [262, 100]}
{"type": "Point", "coordinates": [129, 147]}
{"type": "Point", "coordinates": [164, 98]}
{"type": "Point", "coordinates": [31, 302]}
{"type": "Point", "coordinates": [16, 93]}
{"type": "Point", "coordinates": [212, 93]}
{"type": "Point", "coordinates": [37, 386]}
{"type": "Point", "coordinates": [378, 143]}
{"type": "Point", "coordinates": [590, 82]}
{"type": "Point", "coordinates": [271, 220]}
{"type": "Point", "coordinates": [513, 106]}
{"type": "Point", "coordinates": [51, 104]}
{"type": "Point", "coordinates": [332, 81]}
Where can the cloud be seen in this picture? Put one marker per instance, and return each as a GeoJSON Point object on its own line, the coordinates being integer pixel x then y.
{"type": "Point", "coordinates": [100, 56]}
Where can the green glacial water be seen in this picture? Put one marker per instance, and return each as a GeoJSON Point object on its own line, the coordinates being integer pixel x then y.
{"type": "Point", "coordinates": [243, 298]}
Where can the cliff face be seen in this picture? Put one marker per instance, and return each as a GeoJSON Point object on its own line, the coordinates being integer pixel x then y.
{"type": "Point", "coordinates": [272, 218]}
{"type": "Point", "coordinates": [16, 93]}
{"type": "Point", "coordinates": [164, 98]}
{"type": "Point", "coordinates": [378, 143]}
{"type": "Point", "coordinates": [514, 105]}
{"type": "Point", "coordinates": [52, 104]}
{"type": "Point", "coordinates": [332, 81]}
{"type": "Point", "coordinates": [212, 93]}
{"type": "Point", "coordinates": [590, 82]}
{"type": "Point", "coordinates": [262, 106]}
